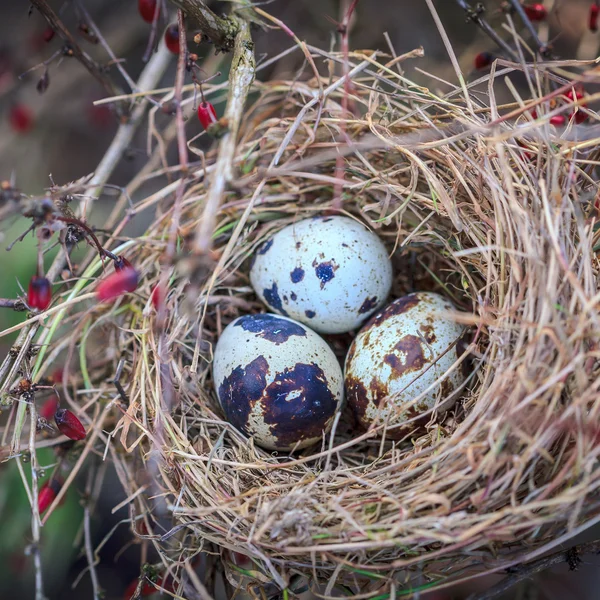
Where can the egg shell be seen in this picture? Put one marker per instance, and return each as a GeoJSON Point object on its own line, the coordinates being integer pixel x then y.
{"type": "Point", "coordinates": [277, 381]}
{"type": "Point", "coordinates": [402, 350]}
{"type": "Point", "coordinates": [330, 273]}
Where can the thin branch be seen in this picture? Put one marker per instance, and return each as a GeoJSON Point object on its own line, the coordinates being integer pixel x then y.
{"type": "Point", "coordinates": [526, 571]}
{"type": "Point", "coordinates": [35, 513]}
{"type": "Point", "coordinates": [221, 31]}
{"type": "Point", "coordinates": [57, 25]}
{"type": "Point", "coordinates": [475, 16]}
{"type": "Point", "coordinates": [544, 49]}
{"type": "Point", "coordinates": [241, 77]}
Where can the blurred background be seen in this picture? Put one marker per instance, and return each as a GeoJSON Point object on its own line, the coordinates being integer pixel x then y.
{"type": "Point", "coordinates": [61, 134]}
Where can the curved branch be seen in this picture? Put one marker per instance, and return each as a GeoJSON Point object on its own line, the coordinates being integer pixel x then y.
{"type": "Point", "coordinates": [241, 77]}
{"type": "Point", "coordinates": [221, 31]}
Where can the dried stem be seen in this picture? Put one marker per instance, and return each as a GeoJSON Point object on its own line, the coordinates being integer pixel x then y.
{"type": "Point", "coordinates": [522, 572]}
{"type": "Point", "coordinates": [240, 80]}
{"type": "Point", "coordinates": [219, 30]}
{"type": "Point", "coordinates": [57, 25]}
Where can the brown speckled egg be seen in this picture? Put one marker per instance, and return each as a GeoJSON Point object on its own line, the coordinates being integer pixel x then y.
{"type": "Point", "coordinates": [277, 381]}
{"type": "Point", "coordinates": [330, 273]}
{"type": "Point", "coordinates": [401, 351]}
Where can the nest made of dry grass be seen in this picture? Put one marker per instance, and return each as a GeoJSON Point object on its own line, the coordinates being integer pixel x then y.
{"type": "Point", "coordinates": [496, 214]}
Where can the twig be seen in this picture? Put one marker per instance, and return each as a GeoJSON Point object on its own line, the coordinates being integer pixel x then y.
{"type": "Point", "coordinates": [475, 16]}
{"type": "Point", "coordinates": [219, 30]}
{"type": "Point", "coordinates": [149, 78]}
{"type": "Point", "coordinates": [35, 513]}
{"type": "Point", "coordinates": [92, 559]}
{"type": "Point", "coordinates": [240, 80]}
{"type": "Point", "coordinates": [339, 162]}
{"type": "Point", "coordinates": [544, 50]}
{"type": "Point", "coordinates": [57, 25]}
{"type": "Point", "coordinates": [520, 573]}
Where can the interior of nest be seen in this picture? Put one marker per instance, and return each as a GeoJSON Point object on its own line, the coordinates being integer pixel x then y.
{"type": "Point", "coordinates": [501, 227]}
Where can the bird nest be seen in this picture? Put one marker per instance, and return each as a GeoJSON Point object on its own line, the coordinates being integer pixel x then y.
{"type": "Point", "coordinates": [495, 212]}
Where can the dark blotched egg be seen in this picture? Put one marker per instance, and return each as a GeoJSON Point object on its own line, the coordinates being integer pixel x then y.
{"type": "Point", "coordinates": [277, 381]}
{"type": "Point", "coordinates": [328, 272]}
{"type": "Point", "coordinates": [402, 351]}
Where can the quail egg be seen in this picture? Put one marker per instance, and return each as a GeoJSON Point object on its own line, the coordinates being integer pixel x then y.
{"type": "Point", "coordinates": [401, 352]}
{"type": "Point", "coordinates": [330, 273]}
{"type": "Point", "coordinates": [277, 381]}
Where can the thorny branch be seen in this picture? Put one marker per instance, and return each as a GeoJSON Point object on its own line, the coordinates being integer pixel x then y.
{"type": "Point", "coordinates": [57, 25]}
{"type": "Point", "coordinates": [241, 77]}
{"type": "Point", "coordinates": [474, 14]}
{"type": "Point", "coordinates": [221, 31]}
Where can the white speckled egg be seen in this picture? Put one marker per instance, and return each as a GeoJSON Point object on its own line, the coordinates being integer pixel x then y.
{"type": "Point", "coordinates": [277, 381]}
{"type": "Point", "coordinates": [401, 351]}
{"type": "Point", "coordinates": [328, 272]}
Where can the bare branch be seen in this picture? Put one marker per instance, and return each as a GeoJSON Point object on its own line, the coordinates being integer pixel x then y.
{"type": "Point", "coordinates": [240, 80]}
{"type": "Point", "coordinates": [221, 31]}
{"type": "Point", "coordinates": [57, 25]}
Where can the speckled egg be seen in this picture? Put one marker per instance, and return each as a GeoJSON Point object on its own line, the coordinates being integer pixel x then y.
{"type": "Point", "coordinates": [277, 381]}
{"type": "Point", "coordinates": [328, 272]}
{"type": "Point", "coordinates": [401, 351]}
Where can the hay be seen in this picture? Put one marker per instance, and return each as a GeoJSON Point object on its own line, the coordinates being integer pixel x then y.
{"type": "Point", "coordinates": [496, 214]}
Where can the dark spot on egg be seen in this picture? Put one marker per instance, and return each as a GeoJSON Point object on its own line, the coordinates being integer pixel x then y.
{"type": "Point", "coordinates": [446, 387]}
{"type": "Point", "coordinates": [356, 395]}
{"type": "Point", "coordinates": [325, 271]}
{"type": "Point", "coordinates": [298, 404]}
{"type": "Point", "coordinates": [241, 389]}
{"type": "Point", "coordinates": [411, 347]}
{"type": "Point", "coordinates": [428, 331]}
{"type": "Point", "coordinates": [368, 305]}
{"type": "Point", "coordinates": [264, 248]}
{"type": "Point", "coordinates": [345, 245]}
{"type": "Point", "coordinates": [397, 307]}
{"type": "Point", "coordinates": [310, 313]}
{"type": "Point", "coordinates": [272, 299]}
{"type": "Point", "coordinates": [378, 390]}
{"type": "Point", "coordinates": [298, 245]}
{"type": "Point", "coordinates": [270, 327]}
{"type": "Point", "coordinates": [293, 296]}
{"type": "Point", "coordinates": [297, 275]}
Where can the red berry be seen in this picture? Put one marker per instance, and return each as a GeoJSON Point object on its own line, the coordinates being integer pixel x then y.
{"type": "Point", "coordinates": [21, 118]}
{"type": "Point", "coordinates": [39, 294]}
{"type": "Point", "coordinates": [535, 12]}
{"type": "Point", "coordinates": [483, 60]}
{"type": "Point", "coordinates": [558, 120]}
{"type": "Point", "coordinates": [573, 95]}
{"type": "Point", "coordinates": [124, 279]}
{"type": "Point", "coordinates": [147, 9]}
{"type": "Point", "coordinates": [207, 114]}
{"type": "Point", "coordinates": [593, 17]}
{"type": "Point", "coordinates": [47, 493]}
{"type": "Point", "coordinates": [48, 34]}
{"type": "Point", "coordinates": [57, 375]}
{"type": "Point", "coordinates": [172, 38]}
{"type": "Point", "coordinates": [49, 408]}
{"type": "Point", "coordinates": [68, 424]}
{"type": "Point", "coordinates": [157, 297]}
